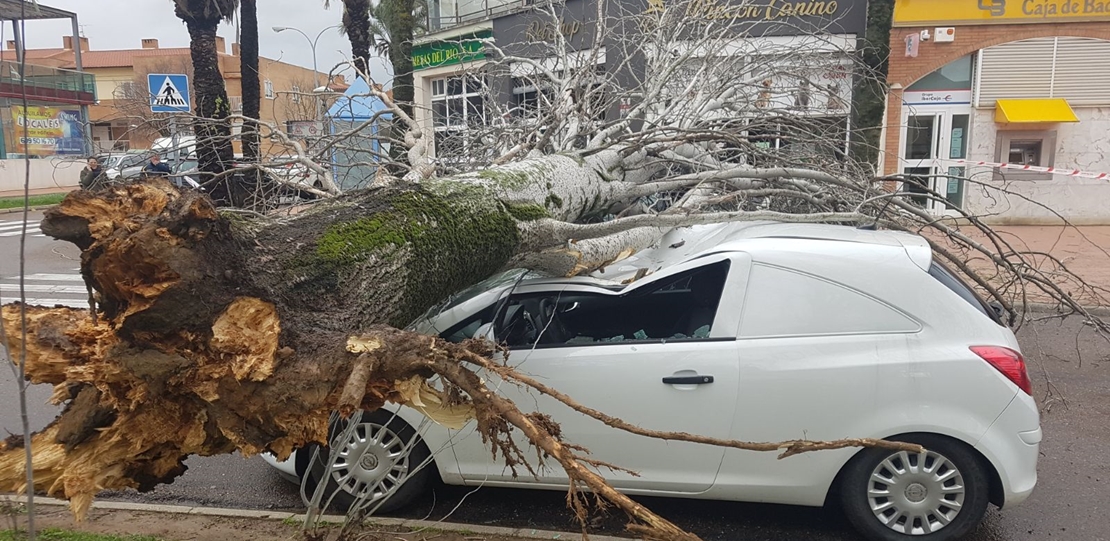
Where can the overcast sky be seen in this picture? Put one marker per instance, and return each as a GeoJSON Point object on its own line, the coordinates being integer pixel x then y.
{"type": "Point", "coordinates": [121, 24]}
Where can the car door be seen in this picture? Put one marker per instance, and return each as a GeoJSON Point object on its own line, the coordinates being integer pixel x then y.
{"type": "Point", "coordinates": [659, 354]}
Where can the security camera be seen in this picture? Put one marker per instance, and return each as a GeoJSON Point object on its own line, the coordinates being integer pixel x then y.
{"type": "Point", "coordinates": [924, 35]}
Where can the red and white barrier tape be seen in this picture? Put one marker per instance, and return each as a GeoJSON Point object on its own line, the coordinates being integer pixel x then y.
{"type": "Point", "coordinates": [1053, 170]}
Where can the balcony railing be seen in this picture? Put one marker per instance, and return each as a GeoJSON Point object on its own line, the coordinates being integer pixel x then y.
{"type": "Point", "coordinates": [47, 83]}
{"type": "Point", "coordinates": [446, 14]}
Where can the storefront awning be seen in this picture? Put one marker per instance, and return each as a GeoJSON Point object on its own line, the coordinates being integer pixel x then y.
{"type": "Point", "coordinates": [1034, 111]}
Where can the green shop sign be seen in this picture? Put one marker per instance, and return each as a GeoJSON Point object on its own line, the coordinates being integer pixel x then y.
{"type": "Point", "coordinates": [445, 53]}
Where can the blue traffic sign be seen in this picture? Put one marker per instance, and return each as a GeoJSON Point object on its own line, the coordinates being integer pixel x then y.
{"type": "Point", "coordinates": [169, 93]}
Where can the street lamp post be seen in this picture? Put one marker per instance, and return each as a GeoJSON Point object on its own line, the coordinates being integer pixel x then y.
{"type": "Point", "coordinates": [312, 44]}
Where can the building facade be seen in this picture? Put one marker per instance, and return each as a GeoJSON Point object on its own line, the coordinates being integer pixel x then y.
{"type": "Point", "coordinates": [489, 61]}
{"type": "Point", "coordinates": [121, 118]}
{"type": "Point", "coordinates": [1011, 95]}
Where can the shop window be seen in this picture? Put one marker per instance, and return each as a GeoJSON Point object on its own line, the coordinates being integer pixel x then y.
{"type": "Point", "coordinates": [956, 75]}
{"type": "Point", "coordinates": [534, 96]}
{"type": "Point", "coordinates": [458, 104]}
{"type": "Point", "coordinates": [679, 307]}
{"type": "Point", "coordinates": [1036, 148]}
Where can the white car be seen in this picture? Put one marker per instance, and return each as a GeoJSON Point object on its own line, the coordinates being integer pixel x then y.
{"type": "Point", "coordinates": [114, 164]}
{"type": "Point", "coordinates": [756, 332]}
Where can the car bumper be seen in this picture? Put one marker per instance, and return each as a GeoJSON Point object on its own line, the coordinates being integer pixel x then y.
{"type": "Point", "coordinates": [286, 468]}
{"type": "Point", "coordinates": [1012, 444]}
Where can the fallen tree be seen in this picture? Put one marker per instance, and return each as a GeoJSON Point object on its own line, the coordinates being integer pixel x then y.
{"type": "Point", "coordinates": [210, 335]}
{"type": "Point", "coordinates": [214, 331]}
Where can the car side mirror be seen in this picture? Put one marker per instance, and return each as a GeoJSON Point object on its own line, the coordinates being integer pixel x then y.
{"type": "Point", "coordinates": [998, 309]}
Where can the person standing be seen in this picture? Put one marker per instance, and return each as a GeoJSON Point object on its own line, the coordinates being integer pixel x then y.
{"type": "Point", "coordinates": [155, 167]}
{"type": "Point", "coordinates": [93, 175]}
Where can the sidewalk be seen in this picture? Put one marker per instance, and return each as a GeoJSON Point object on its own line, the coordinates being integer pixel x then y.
{"type": "Point", "coordinates": [1083, 250]}
{"type": "Point", "coordinates": [38, 191]}
{"type": "Point", "coordinates": [172, 522]}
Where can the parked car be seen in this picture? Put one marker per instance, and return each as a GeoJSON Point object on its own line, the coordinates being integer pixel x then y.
{"type": "Point", "coordinates": [757, 332]}
{"type": "Point", "coordinates": [186, 174]}
{"type": "Point", "coordinates": [285, 176]}
{"type": "Point", "coordinates": [114, 164]}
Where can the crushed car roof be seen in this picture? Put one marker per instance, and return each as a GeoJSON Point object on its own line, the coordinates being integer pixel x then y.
{"type": "Point", "coordinates": [685, 243]}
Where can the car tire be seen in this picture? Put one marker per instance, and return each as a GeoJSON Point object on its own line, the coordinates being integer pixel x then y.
{"type": "Point", "coordinates": [940, 495]}
{"type": "Point", "coordinates": [362, 461]}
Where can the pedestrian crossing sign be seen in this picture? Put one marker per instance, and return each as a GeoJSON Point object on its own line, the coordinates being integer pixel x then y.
{"type": "Point", "coordinates": [169, 93]}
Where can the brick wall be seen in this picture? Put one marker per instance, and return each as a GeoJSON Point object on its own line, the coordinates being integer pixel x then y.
{"type": "Point", "coordinates": [931, 56]}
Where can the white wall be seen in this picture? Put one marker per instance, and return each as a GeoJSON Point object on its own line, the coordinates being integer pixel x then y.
{"type": "Point", "coordinates": [45, 174]}
{"type": "Point", "coordinates": [1084, 145]}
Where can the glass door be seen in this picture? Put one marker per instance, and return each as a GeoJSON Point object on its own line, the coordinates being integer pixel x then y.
{"type": "Point", "coordinates": [934, 139]}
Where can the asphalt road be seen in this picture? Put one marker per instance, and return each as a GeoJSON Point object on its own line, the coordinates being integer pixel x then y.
{"type": "Point", "coordinates": [1070, 367]}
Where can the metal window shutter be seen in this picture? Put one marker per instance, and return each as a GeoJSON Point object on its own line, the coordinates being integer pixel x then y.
{"type": "Point", "coordinates": [1081, 74]}
{"type": "Point", "coordinates": [1019, 69]}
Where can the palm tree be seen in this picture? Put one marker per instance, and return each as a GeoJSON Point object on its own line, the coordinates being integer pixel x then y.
{"type": "Point", "coordinates": [396, 26]}
{"type": "Point", "coordinates": [389, 27]}
{"type": "Point", "coordinates": [212, 108]}
{"type": "Point", "coordinates": [356, 24]}
{"type": "Point", "coordinates": [248, 50]}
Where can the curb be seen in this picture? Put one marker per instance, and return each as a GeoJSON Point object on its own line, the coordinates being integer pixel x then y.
{"type": "Point", "coordinates": [30, 209]}
{"type": "Point", "coordinates": [1043, 308]}
{"type": "Point", "coordinates": [526, 533]}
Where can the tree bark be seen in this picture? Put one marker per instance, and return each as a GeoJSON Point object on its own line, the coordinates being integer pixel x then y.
{"type": "Point", "coordinates": [401, 31]}
{"type": "Point", "coordinates": [215, 335]}
{"type": "Point", "coordinates": [252, 93]}
{"type": "Point", "coordinates": [356, 23]}
{"type": "Point", "coordinates": [212, 338]}
{"type": "Point", "coordinates": [214, 152]}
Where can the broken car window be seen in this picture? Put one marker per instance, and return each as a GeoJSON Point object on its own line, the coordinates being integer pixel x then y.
{"type": "Point", "coordinates": [679, 307]}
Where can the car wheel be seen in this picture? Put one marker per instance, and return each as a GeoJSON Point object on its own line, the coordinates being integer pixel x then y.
{"type": "Point", "coordinates": [938, 495]}
{"type": "Point", "coordinates": [380, 466]}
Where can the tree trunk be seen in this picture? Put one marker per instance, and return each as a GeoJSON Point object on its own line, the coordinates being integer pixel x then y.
{"type": "Point", "coordinates": [204, 324]}
{"type": "Point", "coordinates": [252, 94]}
{"type": "Point", "coordinates": [214, 152]}
{"type": "Point", "coordinates": [356, 22]}
{"type": "Point", "coordinates": [401, 31]}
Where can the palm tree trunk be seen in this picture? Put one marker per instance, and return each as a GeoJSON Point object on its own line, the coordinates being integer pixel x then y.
{"type": "Point", "coordinates": [248, 51]}
{"type": "Point", "coordinates": [400, 53]}
{"type": "Point", "coordinates": [214, 152]}
{"type": "Point", "coordinates": [356, 22]}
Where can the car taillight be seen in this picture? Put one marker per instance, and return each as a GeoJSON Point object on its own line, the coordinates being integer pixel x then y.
{"type": "Point", "coordinates": [1007, 361]}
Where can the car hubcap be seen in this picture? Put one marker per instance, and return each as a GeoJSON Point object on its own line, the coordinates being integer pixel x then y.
{"type": "Point", "coordinates": [371, 463]}
{"type": "Point", "coordinates": [916, 493]}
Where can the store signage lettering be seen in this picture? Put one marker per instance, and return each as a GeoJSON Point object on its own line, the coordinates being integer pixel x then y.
{"type": "Point", "coordinates": [445, 53]}
{"type": "Point", "coordinates": [951, 97]}
{"type": "Point", "coordinates": [1047, 8]}
{"type": "Point", "coordinates": [773, 10]}
{"type": "Point", "coordinates": [545, 31]}
{"type": "Point", "coordinates": [922, 12]}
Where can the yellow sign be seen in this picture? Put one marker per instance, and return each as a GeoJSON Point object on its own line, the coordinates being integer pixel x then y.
{"type": "Point", "coordinates": [957, 12]}
{"type": "Point", "coordinates": [45, 131]}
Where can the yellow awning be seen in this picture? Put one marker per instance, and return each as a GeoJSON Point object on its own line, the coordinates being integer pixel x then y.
{"type": "Point", "coordinates": [1034, 111]}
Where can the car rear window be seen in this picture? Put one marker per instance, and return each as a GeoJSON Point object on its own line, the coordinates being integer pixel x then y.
{"type": "Point", "coordinates": [954, 283]}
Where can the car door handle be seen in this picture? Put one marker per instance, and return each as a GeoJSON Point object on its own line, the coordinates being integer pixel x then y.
{"type": "Point", "coordinates": [688, 380]}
